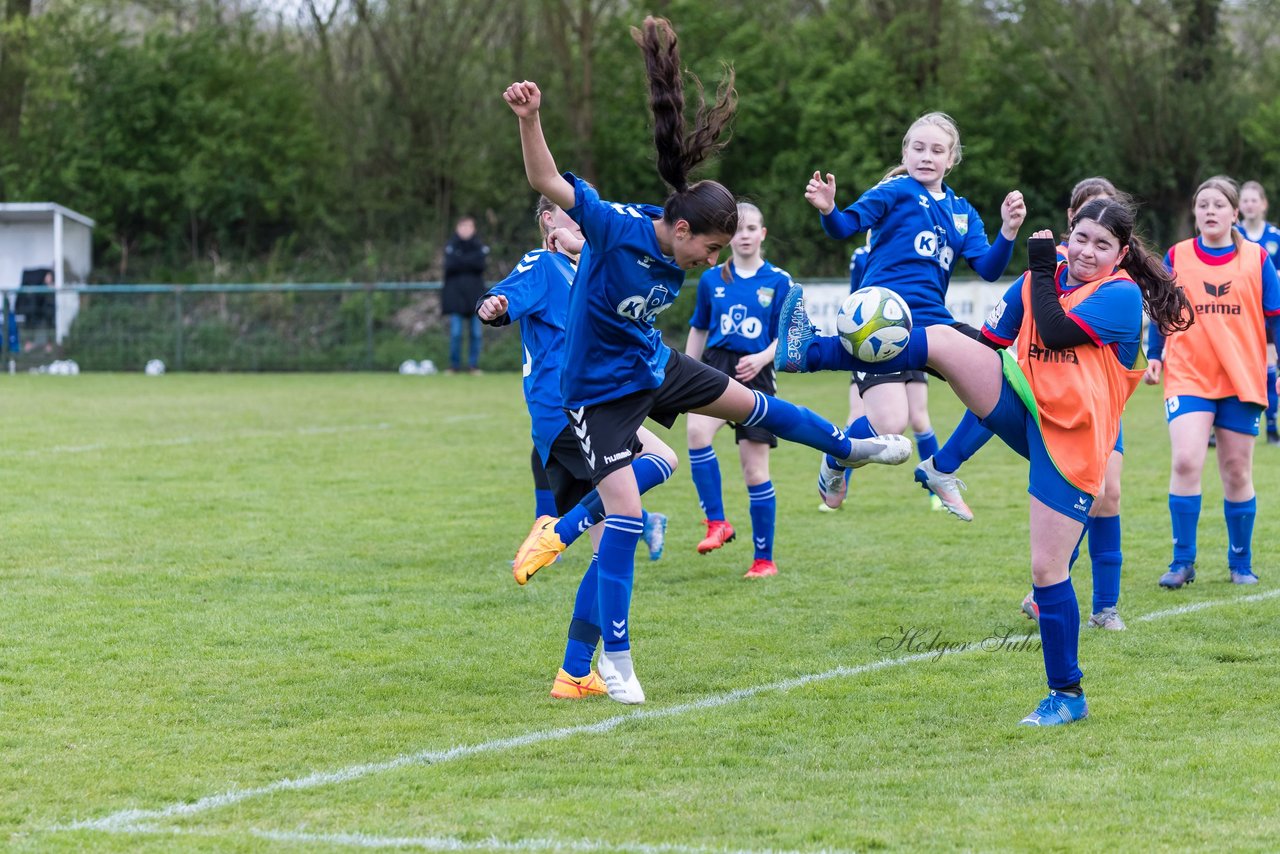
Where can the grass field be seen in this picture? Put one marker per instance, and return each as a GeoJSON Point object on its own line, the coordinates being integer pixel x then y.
{"type": "Point", "coordinates": [276, 612]}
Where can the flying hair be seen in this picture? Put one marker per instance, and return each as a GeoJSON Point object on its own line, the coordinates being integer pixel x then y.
{"type": "Point", "coordinates": [707, 206]}
{"type": "Point", "coordinates": [1165, 302]}
{"type": "Point", "coordinates": [680, 152]}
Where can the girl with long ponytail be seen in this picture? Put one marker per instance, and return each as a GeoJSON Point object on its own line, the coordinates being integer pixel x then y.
{"type": "Point", "coordinates": [1076, 326]}
{"type": "Point", "coordinates": [616, 369]}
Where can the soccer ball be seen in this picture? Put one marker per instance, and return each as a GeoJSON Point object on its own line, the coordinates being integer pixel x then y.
{"type": "Point", "coordinates": [874, 324]}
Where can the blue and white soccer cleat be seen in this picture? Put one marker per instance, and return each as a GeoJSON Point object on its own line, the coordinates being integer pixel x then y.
{"type": "Point", "coordinates": [1178, 576]}
{"type": "Point", "coordinates": [655, 534]}
{"type": "Point", "coordinates": [1057, 709]}
{"type": "Point", "coordinates": [833, 482]}
{"type": "Point", "coordinates": [1243, 576]}
{"type": "Point", "coordinates": [795, 334]}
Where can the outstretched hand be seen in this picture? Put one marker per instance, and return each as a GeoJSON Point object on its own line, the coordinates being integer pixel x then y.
{"type": "Point", "coordinates": [523, 98]}
{"type": "Point", "coordinates": [821, 193]}
{"type": "Point", "coordinates": [1013, 210]}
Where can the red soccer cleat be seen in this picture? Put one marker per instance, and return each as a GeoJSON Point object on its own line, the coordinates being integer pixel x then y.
{"type": "Point", "coordinates": [719, 532]}
{"type": "Point", "coordinates": [761, 568]}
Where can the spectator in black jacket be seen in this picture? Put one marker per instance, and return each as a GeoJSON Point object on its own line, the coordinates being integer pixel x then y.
{"type": "Point", "coordinates": [464, 260]}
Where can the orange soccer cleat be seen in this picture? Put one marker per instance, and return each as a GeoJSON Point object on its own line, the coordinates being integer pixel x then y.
{"type": "Point", "coordinates": [539, 549]}
{"type": "Point", "coordinates": [761, 568]}
{"type": "Point", "coordinates": [568, 687]}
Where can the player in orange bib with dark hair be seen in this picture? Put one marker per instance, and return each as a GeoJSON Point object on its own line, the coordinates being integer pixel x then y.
{"type": "Point", "coordinates": [1078, 328]}
{"type": "Point", "coordinates": [1215, 376]}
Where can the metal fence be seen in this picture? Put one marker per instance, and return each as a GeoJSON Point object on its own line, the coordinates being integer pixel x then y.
{"type": "Point", "coordinates": [227, 327]}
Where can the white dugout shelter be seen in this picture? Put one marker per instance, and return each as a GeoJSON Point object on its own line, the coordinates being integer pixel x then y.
{"type": "Point", "coordinates": [44, 234]}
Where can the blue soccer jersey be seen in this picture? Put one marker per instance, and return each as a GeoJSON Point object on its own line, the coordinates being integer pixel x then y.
{"type": "Point", "coordinates": [741, 315]}
{"type": "Point", "coordinates": [537, 293]}
{"type": "Point", "coordinates": [1112, 316]}
{"type": "Point", "coordinates": [624, 282]}
{"type": "Point", "coordinates": [858, 266]}
{"type": "Point", "coordinates": [918, 239]}
{"type": "Point", "coordinates": [1269, 240]}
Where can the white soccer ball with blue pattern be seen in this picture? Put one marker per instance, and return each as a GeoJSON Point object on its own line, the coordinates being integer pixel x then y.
{"type": "Point", "coordinates": [874, 324]}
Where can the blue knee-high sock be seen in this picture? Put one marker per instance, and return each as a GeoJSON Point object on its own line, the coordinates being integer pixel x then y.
{"type": "Point", "coordinates": [617, 570]}
{"type": "Point", "coordinates": [705, 470]}
{"type": "Point", "coordinates": [1184, 513]}
{"type": "Point", "coordinates": [584, 628]}
{"type": "Point", "coordinates": [764, 508]}
{"type": "Point", "coordinates": [926, 444]}
{"type": "Point", "coordinates": [1059, 633]}
{"type": "Point", "coordinates": [827, 353]}
{"type": "Point", "coordinates": [1273, 400]}
{"type": "Point", "coordinates": [650, 471]}
{"type": "Point", "coordinates": [965, 441]}
{"type": "Point", "coordinates": [797, 424]}
{"type": "Point", "coordinates": [860, 429]}
{"type": "Point", "coordinates": [1240, 516]}
{"type": "Point", "coordinates": [544, 503]}
{"type": "Point", "coordinates": [1104, 552]}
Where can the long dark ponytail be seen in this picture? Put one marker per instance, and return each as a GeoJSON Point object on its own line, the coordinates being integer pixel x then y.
{"type": "Point", "coordinates": [1165, 302]}
{"type": "Point", "coordinates": [707, 206]}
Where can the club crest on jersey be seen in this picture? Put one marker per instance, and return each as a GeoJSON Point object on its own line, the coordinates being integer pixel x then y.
{"type": "Point", "coordinates": [1272, 246]}
{"type": "Point", "coordinates": [765, 295]}
{"type": "Point", "coordinates": [962, 223]}
{"type": "Point", "coordinates": [645, 309]}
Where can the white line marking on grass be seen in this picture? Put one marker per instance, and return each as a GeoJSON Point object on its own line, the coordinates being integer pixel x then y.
{"type": "Point", "coordinates": [118, 820]}
{"type": "Point", "coordinates": [1200, 606]}
{"type": "Point", "coordinates": [452, 843]}
{"type": "Point", "coordinates": [128, 821]}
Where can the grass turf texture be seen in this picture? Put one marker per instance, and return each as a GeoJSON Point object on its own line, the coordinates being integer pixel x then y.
{"type": "Point", "coordinates": [214, 583]}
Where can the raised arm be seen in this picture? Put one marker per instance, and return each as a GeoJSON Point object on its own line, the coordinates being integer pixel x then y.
{"type": "Point", "coordinates": [525, 100]}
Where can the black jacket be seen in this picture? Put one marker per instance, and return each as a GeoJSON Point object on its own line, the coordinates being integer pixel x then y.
{"type": "Point", "coordinates": [464, 262]}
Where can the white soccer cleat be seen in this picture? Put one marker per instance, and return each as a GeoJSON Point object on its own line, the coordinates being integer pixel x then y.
{"type": "Point", "coordinates": [620, 677]}
{"type": "Point", "coordinates": [890, 449]}
{"type": "Point", "coordinates": [946, 487]}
